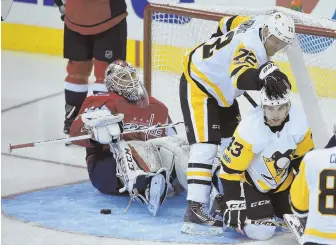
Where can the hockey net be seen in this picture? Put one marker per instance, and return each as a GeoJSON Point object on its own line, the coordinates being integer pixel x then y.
{"type": "Point", "coordinates": [172, 30]}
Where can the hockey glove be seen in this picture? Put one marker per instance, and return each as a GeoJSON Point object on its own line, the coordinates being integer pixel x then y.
{"type": "Point", "coordinates": [235, 213]}
{"type": "Point", "coordinates": [277, 84]}
{"type": "Point", "coordinates": [275, 81]}
{"type": "Point", "coordinates": [256, 79]}
{"type": "Point", "coordinates": [105, 127]}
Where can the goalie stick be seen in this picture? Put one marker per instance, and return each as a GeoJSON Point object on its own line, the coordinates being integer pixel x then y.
{"type": "Point", "coordinates": [89, 136]}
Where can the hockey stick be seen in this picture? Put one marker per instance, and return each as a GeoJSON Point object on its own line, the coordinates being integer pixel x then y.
{"type": "Point", "coordinates": [266, 223]}
{"type": "Point", "coordinates": [89, 136]}
{"type": "Point", "coordinates": [250, 99]}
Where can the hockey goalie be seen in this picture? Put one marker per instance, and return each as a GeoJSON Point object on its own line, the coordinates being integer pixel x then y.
{"type": "Point", "coordinates": [146, 164]}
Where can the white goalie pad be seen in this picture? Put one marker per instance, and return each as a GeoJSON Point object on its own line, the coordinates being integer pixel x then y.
{"type": "Point", "coordinates": [148, 153]}
{"type": "Point", "coordinates": [149, 188]}
{"type": "Point", "coordinates": [174, 151]}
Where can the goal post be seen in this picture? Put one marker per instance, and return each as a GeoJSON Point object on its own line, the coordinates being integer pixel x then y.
{"type": "Point", "coordinates": [171, 30]}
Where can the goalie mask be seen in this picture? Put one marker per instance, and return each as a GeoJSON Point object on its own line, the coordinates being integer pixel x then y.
{"type": "Point", "coordinates": [278, 32]}
{"type": "Point", "coordinates": [121, 78]}
{"type": "Point", "coordinates": [275, 109]}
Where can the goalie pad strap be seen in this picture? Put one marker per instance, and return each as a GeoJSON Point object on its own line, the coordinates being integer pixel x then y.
{"type": "Point", "coordinates": [138, 159]}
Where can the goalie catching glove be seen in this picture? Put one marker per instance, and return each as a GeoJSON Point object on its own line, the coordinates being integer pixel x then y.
{"type": "Point", "coordinates": [105, 127]}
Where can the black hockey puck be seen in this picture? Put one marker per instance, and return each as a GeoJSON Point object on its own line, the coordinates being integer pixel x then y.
{"type": "Point", "coordinates": [105, 211]}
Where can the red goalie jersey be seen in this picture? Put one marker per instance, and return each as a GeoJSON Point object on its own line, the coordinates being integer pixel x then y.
{"type": "Point", "coordinates": [135, 117]}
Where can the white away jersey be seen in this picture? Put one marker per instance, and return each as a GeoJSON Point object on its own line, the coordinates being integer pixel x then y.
{"type": "Point", "coordinates": [217, 63]}
{"type": "Point", "coordinates": [314, 190]}
{"type": "Point", "coordinates": [262, 157]}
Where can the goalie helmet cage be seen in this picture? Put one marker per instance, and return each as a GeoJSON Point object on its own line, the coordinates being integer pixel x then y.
{"type": "Point", "coordinates": [170, 30]}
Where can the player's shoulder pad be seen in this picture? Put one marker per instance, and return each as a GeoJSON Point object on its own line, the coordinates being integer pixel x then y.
{"type": "Point", "coordinates": [253, 130]}
{"type": "Point", "coordinates": [298, 124]}
{"type": "Point", "coordinates": [227, 24]}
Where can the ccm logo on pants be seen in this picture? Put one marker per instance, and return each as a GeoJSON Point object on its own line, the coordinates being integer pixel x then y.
{"type": "Point", "coordinates": [260, 203]}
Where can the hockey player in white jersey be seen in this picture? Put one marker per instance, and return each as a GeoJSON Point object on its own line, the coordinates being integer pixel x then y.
{"type": "Point", "coordinates": [214, 74]}
{"type": "Point", "coordinates": [313, 195]}
{"type": "Point", "coordinates": [257, 166]}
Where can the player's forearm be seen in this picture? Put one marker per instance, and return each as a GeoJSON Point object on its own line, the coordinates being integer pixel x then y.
{"type": "Point", "coordinates": [249, 80]}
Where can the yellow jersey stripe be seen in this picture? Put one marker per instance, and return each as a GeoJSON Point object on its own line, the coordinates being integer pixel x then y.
{"type": "Point", "coordinates": [197, 103]}
{"type": "Point", "coordinates": [315, 232]}
{"type": "Point", "coordinates": [238, 20]}
{"type": "Point", "coordinates": [199, 173]}
{"type": "Point", "coordinates": [305, 145]}
{"type": "Point", "coordinates": [234, 177]}
{"type": "Point", "coordinates": [218, 91]}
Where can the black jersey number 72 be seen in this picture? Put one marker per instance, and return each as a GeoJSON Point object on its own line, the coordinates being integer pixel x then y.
{"type": "Point", "coordinates": [222, 41]}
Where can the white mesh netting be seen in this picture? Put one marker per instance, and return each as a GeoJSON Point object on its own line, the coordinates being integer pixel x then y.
{"type": "Point", "coordinates": [173, 35]}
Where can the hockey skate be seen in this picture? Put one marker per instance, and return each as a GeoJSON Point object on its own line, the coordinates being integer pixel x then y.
{"type": "Point", "coordinates": [198, 222]}
{"type": "Point", "coordinates": [296, 225]}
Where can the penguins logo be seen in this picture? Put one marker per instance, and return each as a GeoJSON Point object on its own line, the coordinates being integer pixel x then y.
{"type": "Point", "coordinates": [278, 164]}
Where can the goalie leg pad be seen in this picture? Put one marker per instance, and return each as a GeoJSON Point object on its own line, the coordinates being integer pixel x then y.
{"type": "Point", "coordinates": [174, 152]}
{"type": "Point", "coordinates": [146, 154]}
{"type": "Point", "coordinates": [147, 187]}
